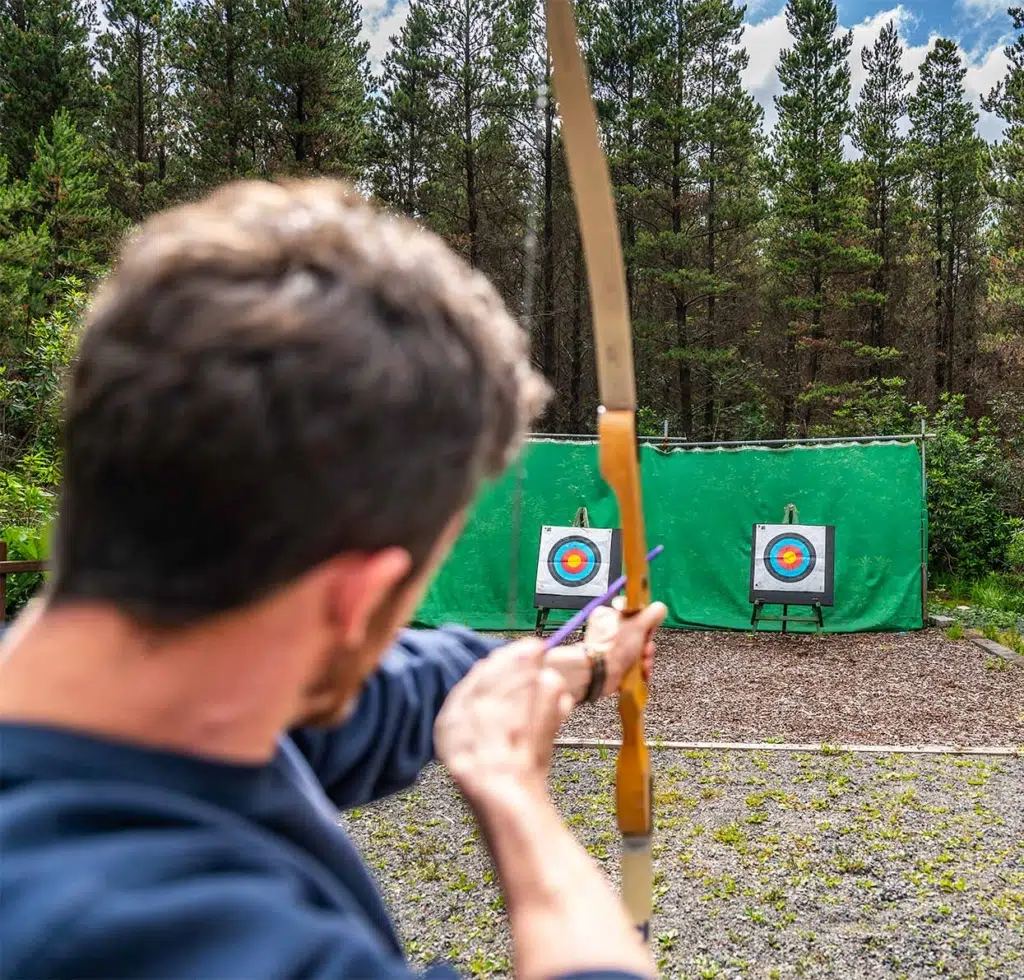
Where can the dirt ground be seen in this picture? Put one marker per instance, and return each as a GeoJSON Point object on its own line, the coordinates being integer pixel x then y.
{"type": "Point", "coordinates": [769, 864]}
{"type": "Point", "coordinates": [866, 688]}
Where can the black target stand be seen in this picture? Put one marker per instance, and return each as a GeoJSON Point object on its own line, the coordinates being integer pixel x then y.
{"type": "Point", "coordinates": [757, 617]}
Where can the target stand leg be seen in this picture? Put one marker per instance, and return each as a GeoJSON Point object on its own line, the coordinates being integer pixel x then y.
{"type": "Point", "coordinates": [786, 617]}
{"type": "Point", "coordinates": [542, 621]}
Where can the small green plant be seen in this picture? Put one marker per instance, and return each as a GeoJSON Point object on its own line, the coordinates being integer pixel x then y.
{"type": "Point", "coordinates": [955, 632]}
{"type": "Point", "coordinates": [1013, 640]}
{"type": "Point", "coordinates": [729, 834]}
{"type": "Point", "coordinates": [1015, 549]}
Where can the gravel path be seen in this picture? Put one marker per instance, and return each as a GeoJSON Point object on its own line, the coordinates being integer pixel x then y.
{"type": "Point", "coordinates": [767, 864]}
{"type": "Point", "coordinates": [868, 688]}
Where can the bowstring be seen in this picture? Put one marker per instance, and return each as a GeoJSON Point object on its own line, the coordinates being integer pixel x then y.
{"type": "Point", "coordinates": [526, 301]}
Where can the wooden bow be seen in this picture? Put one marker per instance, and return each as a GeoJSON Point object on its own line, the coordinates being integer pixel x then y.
{"type": "Point", "coordinates": [617, 442]}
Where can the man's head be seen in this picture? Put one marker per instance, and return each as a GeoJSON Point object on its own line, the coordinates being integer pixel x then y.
{"type": "Point", "coordinates": [280, 387]}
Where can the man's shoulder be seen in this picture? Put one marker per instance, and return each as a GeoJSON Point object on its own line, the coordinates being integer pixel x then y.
{"type": "Point", "coordinates": [119, 887]}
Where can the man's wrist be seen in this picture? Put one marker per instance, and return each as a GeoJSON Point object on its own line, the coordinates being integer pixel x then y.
{"type": "Point", "coordinates": [575, 668]}
{"type": "Point", "coordinates": [499, 797]}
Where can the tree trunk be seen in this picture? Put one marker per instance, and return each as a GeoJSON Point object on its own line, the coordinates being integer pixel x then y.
{"type": "Point", "coordinates": [682, 332]}
{"type": "Point", "coordinates": [938, 349]}
{"type": "Point", "coordinates": [548, 351]}
{"type": "Point", "coordinates": [472, 221]}
{"type": "Point", "coordinates": [576, 344]}
{"type": "Point", "coordinates": [232, 97]}
{"type": "Point", "coordinates": [711, 328]}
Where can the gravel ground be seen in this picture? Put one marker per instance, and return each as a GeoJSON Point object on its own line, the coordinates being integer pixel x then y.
{"type": "Point", "coordinates": [768, 864]}
{"type": "Point", "coordinates": [867, 688]}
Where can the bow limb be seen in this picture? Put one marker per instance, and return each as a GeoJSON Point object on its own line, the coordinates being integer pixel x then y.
{"type": "Point", "coordinates": [617, 442]}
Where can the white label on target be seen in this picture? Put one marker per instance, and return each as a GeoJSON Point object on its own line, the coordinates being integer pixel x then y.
{"type": "Point", "coordinates": [574, 561]}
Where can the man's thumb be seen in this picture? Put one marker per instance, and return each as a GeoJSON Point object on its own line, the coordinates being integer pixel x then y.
{"type": "Point", "coordinates": [654, 615]}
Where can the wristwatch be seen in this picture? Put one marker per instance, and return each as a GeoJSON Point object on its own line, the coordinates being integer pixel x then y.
{"type": "Point", "coordinates": [598, 672]}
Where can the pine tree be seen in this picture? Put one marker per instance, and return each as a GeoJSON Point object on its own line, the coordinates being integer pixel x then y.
{"type": "Point", "coordinates": [44, 66]}
{"type": "Point", "coordinates": [876, 133]}
{"type": "Point", "coordinates": [408, 130]}
{"type": "Point", "coordinates": [54, 224]}
{"type": "Point", "coordinates": [318, 77]}
{"type": "Point", "coordinates": [816, 205]}
{"type": "Point", "coordinates": [69, 200]}
{"type": "Point", "coordinates": [1004, 370]}
{"type": "Point", "coordinates": [219, 46]}
{"type": "Point", "coordinates": [478, 190]}
{"type": "Point", "coordinates": [948, 154]}
{"type": "Point", "coordinates": [138, 83]}
{"type": "Point", "coordinates": [627, 35]}
{"type": "Point", "coordinates": [1006, 100]}
{"type": "Point", "coordinates": [23, 247]}
{"type": "Point", "coordinates": [710, 128]}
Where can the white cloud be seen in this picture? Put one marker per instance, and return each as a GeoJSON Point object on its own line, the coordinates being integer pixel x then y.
{"type": "Point", "coordinates": [382, 19]}
{"type": "Point", "coordinates": [765, 39]}
{"type": "Point", "coordinates": [983, 9]}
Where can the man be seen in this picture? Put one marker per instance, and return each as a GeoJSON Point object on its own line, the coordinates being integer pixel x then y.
{"type": "Point", "coordinates": [282, 405]}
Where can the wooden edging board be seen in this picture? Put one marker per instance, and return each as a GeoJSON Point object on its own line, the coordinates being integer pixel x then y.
{"type": "Point", "coordinates": [594, 743]}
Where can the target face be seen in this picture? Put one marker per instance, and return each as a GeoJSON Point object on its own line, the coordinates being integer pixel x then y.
{"type": "Point", "coordinates": [574, 564]}
{"type": "Point", "coordinates": [574, 561]}
{"type": "Point", "coordinates": [792, 563]}
{"type": "Point", "coordinates": [790, 557]}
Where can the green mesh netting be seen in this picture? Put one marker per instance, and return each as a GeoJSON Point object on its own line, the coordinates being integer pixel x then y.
{"type": "Point", "coordinates": [701, 505]}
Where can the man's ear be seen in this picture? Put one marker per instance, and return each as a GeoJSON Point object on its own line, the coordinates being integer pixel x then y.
{"type": "Point", "coordinates": [359, 584]}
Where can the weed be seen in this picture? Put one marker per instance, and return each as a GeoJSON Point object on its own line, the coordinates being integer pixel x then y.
{"type": "Point", "coordinates": [729, 834]}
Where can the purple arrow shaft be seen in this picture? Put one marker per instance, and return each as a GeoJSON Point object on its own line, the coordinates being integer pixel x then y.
{"type": "Point", "coordinates": [579, 618]}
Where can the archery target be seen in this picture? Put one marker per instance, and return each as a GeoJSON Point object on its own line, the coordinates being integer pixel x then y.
{"type": "Point", "coordinates": [792, 563]}
{"type": "Point", "coordinates": [790, 557]}
{"type": "Point", "coordinates": [574, 561]}
{"type": "Point", "coordinates": [574, 564]}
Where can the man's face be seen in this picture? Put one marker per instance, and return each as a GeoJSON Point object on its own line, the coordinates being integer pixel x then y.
{"type": "Point", "coordinates": [334, 692]}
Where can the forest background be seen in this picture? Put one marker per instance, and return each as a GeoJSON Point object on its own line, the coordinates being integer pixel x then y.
{"type": "Point", "coordinates": [854, 268]}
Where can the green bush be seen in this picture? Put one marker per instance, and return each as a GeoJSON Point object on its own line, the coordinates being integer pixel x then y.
{"type": "Point", "coordinates": [969, 532]}
{"type": "Point", "coordinates": [23, 544]}
{"type": "Point", "coordinates": [1015, 550]}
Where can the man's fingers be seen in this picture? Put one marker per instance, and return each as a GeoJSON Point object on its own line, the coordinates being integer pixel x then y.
{"type": "Point", "coordinates": [519, 659]}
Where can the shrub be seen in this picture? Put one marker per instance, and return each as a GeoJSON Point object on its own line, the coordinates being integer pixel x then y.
{"type": "Point", "coordinates": [969, 533]}
{"type": "Point", "coordinates": [1015, 549]}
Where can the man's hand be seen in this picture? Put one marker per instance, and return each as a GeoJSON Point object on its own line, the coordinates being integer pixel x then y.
{"type": "Point", "coordinates": [497, 728]}
{"type": "Point", "coordinates": [624, 639]}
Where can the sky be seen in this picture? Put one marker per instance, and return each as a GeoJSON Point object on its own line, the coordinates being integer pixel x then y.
{"type": "Point", "coordinates": [981, 27]}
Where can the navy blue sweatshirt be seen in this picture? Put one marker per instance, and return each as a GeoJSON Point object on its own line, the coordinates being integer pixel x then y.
{"type": "Point", "coordinates": [118, 861]}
